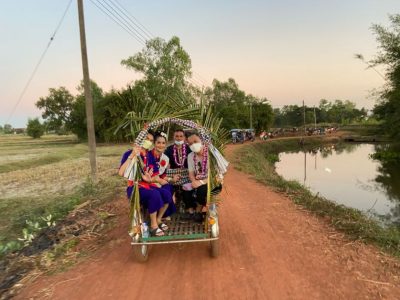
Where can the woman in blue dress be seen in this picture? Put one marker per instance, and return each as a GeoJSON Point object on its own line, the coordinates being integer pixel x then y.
{"type": "Point", "coordinates": [155, 199]}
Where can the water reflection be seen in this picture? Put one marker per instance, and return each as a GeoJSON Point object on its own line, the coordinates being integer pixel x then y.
{"type": "Point", "coordinates": [346, 174]}
{"type": "Point", "coordinates": [389, 179]}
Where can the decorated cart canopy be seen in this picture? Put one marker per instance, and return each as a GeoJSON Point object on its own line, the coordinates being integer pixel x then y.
{"type": "Point", "coordinates": [217, 167]}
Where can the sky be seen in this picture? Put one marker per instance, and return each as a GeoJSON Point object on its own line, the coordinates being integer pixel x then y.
{"type": "Point", "coordinates": [286, 51]}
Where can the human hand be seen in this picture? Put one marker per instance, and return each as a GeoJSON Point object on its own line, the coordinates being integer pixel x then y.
{"type": "Point", "coordinates": [135, 151]}
{"type": "Point", "coordinates": [147, 175]}
{"type": "Point", "coordinates": [176, 177]}
{"type": "Point", "coordinates": [196, 184]}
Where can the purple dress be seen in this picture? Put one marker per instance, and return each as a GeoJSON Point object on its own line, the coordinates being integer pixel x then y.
{"type": "Point", "coordinates": [151, 197]}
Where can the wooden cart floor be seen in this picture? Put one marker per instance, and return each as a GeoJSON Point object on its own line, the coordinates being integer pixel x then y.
{"type": "Point", "coordinates": [180, 229]}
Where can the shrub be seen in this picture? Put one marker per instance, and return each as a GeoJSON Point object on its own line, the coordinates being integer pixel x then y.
{"type": "Point", "coordinates": [34, 128]}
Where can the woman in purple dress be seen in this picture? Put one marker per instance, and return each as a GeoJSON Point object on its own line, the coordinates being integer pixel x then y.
{"type": "Point", "coordinates": [152, 197]}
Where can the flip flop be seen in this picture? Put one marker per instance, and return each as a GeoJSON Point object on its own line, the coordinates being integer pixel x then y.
{"type": "Point", "coordinates": [156, 232]}
{"type": "Point", "coordinates": [163, 226]}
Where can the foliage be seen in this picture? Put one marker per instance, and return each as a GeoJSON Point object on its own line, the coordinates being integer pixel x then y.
{"type": "Point", "coordinates": [57, 108]}
{"type": "Point", "coordinates": [77, 118]}
{"type": "Point", "coordinates": [387, 110]}
{"type": "Point", "coordinates": [338, 112]}
{"type": "Point", "coordinates": [34, 128]}
{"type": "Point", "coordinates": [7, 129]}
{"type": "Point", "coordinates": [165, 67]}
{"type": "Point", "coordinates": [237, 109]}
{"type": "Point", "coordinates": [163, 90]}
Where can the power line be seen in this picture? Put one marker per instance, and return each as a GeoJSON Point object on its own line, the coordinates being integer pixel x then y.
{"type": "Point", "coordinates": [133, 27]}
{"type": "Point", "coordinates": [135, 21]}
{"type": "Point", "coordinates": [39, 62]}
{"type": "Point", "coordinates": [124, 19]}
{"type": "Point", "coordinates": [148, 35]}
{"type": "Point", "coordinates": [118, 22]}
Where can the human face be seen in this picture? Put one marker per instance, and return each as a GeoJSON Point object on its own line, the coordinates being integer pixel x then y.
{"type": "Point", "coordinates": [160, 144]}
{"type": "Point", "coordinates": [150, 137]}
{"type": "Point", "coordinates": [179, 137]}
{"type": "Point", "coordinates": [195, 143]}
{"type": "Point", "coordinates": [148, 142]}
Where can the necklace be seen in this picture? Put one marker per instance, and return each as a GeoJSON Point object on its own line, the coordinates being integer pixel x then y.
{"type": "Point", "coordinates": [179, 161]}
{"type": "Point", "coordinates": [203, 172]}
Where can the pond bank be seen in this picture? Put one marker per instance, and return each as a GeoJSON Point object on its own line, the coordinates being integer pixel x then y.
{"type": "Point", "coordinates": [259, 159]}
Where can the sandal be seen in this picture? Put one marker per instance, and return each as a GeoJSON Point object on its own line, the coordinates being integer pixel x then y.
{"type": "Point", "coordinates": [163, 226]}
{"type": "Point", "coordinates": [156, 232]}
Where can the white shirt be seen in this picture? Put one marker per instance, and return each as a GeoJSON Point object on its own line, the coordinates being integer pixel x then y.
{"type": "Point", "coordinates": [191, 166]}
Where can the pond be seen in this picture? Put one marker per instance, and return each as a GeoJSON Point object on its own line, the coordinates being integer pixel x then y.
{"type": "Point", "coordinates": [345, 173]}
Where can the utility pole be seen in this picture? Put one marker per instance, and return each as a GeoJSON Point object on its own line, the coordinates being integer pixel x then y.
{"type": "Point", "coordinates": [304, 118]}
{"type": "Point", "coordinates": [315, 119]}
{"type": "Point", "coordinates": [88, 93]}
{"type": "Point", "coordinates": [251, 115]}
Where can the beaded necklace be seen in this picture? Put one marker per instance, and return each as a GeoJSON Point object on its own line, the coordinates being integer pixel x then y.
{"type": "Point", "coordinates": [182, 157]}
{"type": "Point", "coordinates": [203, 173]}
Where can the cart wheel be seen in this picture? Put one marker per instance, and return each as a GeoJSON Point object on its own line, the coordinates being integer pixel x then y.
{"type": "Point", "coordinates": [141, 252]}
{"type": "Point", "coordinates": [214, 248]}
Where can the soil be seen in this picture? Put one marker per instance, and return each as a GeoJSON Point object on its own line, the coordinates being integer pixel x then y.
{"type": "Point", "coordinates": [269, 249]}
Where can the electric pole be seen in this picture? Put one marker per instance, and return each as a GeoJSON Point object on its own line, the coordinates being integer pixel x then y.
{"type": "Point", "coordinates": [251, 115]}
{"type": "Point", "coordinates": [88, 93]}
{"type": "Point", "coordinates": [304, 118]}
{"type": "Point", "coordinates": [315, 119]}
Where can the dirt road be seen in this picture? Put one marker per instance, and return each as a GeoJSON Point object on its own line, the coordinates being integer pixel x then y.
{"type": "Point", "coordinates": [270, 249]}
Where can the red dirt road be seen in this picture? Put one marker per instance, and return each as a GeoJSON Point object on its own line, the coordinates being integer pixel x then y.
{"type": "Point", "coordinates": [269, 249]}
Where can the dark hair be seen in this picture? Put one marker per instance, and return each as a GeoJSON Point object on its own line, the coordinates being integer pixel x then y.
{"type": "Point", "coordinates": [192, 133]}
{"type": "Point", "coordinates": [151, 133]}
{"type": "Point", "coordinates": [179, 130]}
{"type": "Point", "coordinates": [160, 134]}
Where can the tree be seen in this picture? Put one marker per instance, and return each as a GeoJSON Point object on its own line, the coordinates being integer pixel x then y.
{"type": "Point", "coordinates": [34, 128]}
{"type": "Point", "coordinates": [263, 115]}
{"type": "Point", "coordinates": [8, 129]}
{"type": "Point", "coordinates": [57, 108]}
{"type": "Point", "coordinates": [387, 110]}
{"type": "Point", "coordinates": [165, 67]}
{"type": "Point", "coordinates": [77, 118]}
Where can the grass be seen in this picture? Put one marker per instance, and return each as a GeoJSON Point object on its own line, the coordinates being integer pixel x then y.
{"type": "Point", "coordinates": [50, 176]}
{"type": "Point", "coordinates": [258, 160]}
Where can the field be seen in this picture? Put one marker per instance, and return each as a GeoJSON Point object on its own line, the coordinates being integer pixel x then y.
{"type": "Point", "coordinates": [47, 176]}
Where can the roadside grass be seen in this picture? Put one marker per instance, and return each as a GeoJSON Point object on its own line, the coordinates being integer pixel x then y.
{"type": "Point", "coordinates": [258, 160]}
{"type": "Point", "coordinates": [50, 176]}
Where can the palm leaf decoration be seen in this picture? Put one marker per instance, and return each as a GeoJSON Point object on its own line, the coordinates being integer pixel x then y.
{"type": "Point", "coordinates": [145, 111]}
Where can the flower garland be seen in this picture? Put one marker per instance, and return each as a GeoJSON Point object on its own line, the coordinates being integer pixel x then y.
{"type": "Point", "coordinates": [203, 132]}
{"type": "Point", "coordinates": [204, 170]}
{"type": "Point", "coordinates": [182, 158]}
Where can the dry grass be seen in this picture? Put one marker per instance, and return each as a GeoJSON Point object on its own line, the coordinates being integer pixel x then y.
{"type": "Point", "coordinates": [38, 176]}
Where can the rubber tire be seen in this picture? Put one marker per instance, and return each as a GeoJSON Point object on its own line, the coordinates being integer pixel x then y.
{"type": "Point", "coordinates": [214, 248]}
{"type": "Point", "coordinates": [138, 254]}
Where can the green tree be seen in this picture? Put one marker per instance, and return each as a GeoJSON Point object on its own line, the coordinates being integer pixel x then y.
{"type": "Point", "coordinates": [230, 102]}
{"type": "Point", "coordinates": [263, 115]}
{"type": "Point", "coordinates": [77, 118]}
{"type": "Point", "coordinates": [57, 108]}
{"type": "Point", "coordinates": [34, 128]}
{"type": "Point", "coordinates": [387, 110]}
{"type": "Point", "coordinates": [8, 129]}
{"type": "Point", "coordinates": [165, 67]}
